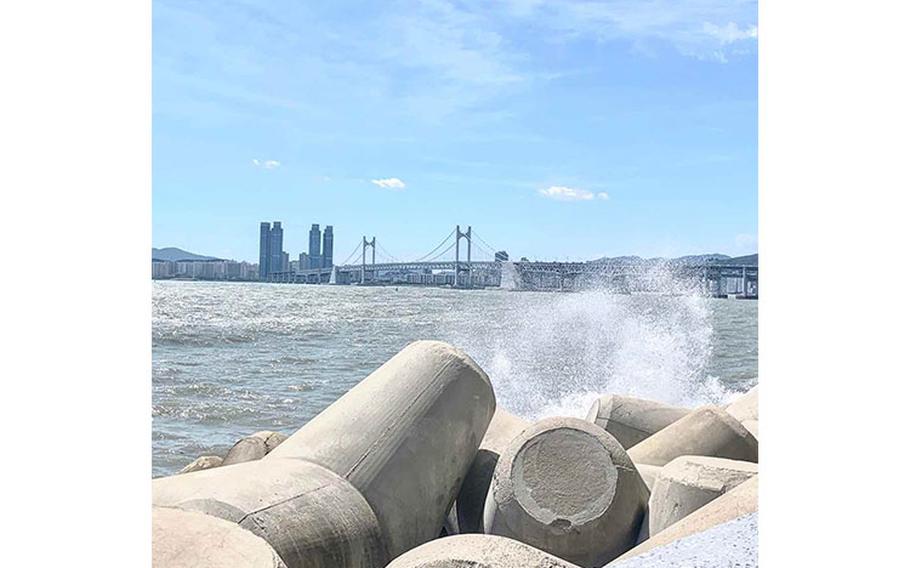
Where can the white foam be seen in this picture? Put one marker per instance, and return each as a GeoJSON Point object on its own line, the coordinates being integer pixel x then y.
{"type": "Point", "coordinates": [556, 358]}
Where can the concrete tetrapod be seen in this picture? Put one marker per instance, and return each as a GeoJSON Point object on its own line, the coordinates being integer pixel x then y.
{"type": "Point", "coordinates": [503, 428]}
{"type": "Point", "coordinates": [477, 551]}
{"type": "Point", "coordinates": [404, 437]}
{"type": "Point", "coordinates": [648, 473]}
{"type": "Point", "coordinates": [370, 477]}
{"type": "Point", "coordinates": [630, 420]}
{"type": "Point", "coordinates": [752, 427]}
{"type": "Point", "coordinates": [745, 407]}
{"type": "Point", "coordinates": [706, 431]}
{"type": "Point", "coordinates": [738, 502]}
{"type": "Point", "coordinates": [690, 482]}
{"type": "Point", "coordinates": [308, 514]}
{"type": "Point", "coordinates": [271, 439]}
{"type": "Point", "coordinates": [186, 539]}
{"type": "Point", "coordinates": [202, 462]}
{"type": "Point", "coordinates": [246, 449]}
{"type": "Point", "coordinates": [567, 487]}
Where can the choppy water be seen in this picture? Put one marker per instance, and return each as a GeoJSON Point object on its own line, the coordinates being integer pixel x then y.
{"type": "Point", "coordinates": [232, 358]}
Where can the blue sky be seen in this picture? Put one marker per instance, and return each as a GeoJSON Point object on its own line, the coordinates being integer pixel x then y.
{"type": "Point", "coordinates": [557, 129]}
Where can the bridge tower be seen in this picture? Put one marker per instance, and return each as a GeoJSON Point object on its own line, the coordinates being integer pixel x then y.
{"type": "Point", "coordinates": [363, 264]}
{"type": "Point", "coordinates": [458, 237]}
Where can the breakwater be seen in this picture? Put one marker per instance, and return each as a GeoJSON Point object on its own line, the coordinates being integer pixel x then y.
{"type": "Point", "coordinates": [393, 473]}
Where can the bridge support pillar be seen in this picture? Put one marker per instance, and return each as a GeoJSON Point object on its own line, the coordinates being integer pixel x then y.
{"type": "Point", "coordinates": [458, 236]}
{"type": "Point", "coordinates": [363, 265]}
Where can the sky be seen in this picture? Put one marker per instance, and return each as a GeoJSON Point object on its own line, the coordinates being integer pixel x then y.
{"type": "Point", "coordinates": [556, 130]}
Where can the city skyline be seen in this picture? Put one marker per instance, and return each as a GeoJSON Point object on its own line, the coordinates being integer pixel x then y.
{"type": "Point", "coordinates": [560, 130]}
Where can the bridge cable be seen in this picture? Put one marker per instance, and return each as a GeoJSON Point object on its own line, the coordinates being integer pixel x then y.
{"type": "Point", "coordinates": [422, 258]}
{"type": "Point", "coordinates": [491, 249]}
{"type": "Point", "coordinates": [451, 246]}
{"type": "Point", "coordinates": [351, 256]}
{"type": "Point", "coordinates": [387, 253]}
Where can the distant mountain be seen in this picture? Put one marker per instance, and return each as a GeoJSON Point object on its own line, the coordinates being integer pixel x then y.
{"type": "Point", "coordinates": [174, 253]}
{"type": "Point", "coordinates": [748, 260]}
{"type": "Point", "coordinates": [702, 259]}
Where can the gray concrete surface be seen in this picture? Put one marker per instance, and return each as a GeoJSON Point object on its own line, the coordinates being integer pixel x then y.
{"type": "Point", "coordinates": [630, 420]}
{"type": "Point", "coordinates": [706, 431]}
{"type": "Point", "coordinates": [751, 426]}
{"type": "Point", "coordinates": [503, 428]}
{"type": "Point", "coordinates": [742, 500]}
{"type": "Point", "coordinates": [202, 462]}
{"type": "Point", "coordinates": [730, 544]}
{"type": "Point", "coordinates": [688, 483]}
{"type": "Point", "coordinates": [271, 439]}
{"type": "Point", "coordinates": [567, 487]}
{"type": "Point", "coordinates": [187, 539]}
{"type": "Point", "coordinates": [246, 449]}
{"type": "Point", "coordinates": [745, 407]}
{"type": "Point", "coordinates": [648, 473]}
{"type": "Point", "coordinates": [478, 551]}
{"type": "Point", "coordinates": [308, 514]}
{"type": "Point", "coordinates": [404, 437]}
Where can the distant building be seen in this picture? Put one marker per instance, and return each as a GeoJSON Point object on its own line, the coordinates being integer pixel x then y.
{"type": "Point", "coordinates": [264, 240]}
{"type": "Point", "coordinates": [327, 247]}
{"type": "Point", "coordinates": [501, 256]}
{"type": "Point", "coordinates": [295, 265]}
{"type": "Point", "coordinates": [163, 269]}
{"type": "Point", "coordinates": [276, 247]}
{"type": "Point", "coordinates": [271, 253]}
{"type": "Point", "coordinates": [303, 261]}
{"type": "Point", "coordinates": [285, 262]}
{"type": "Point", "coordinates": [315, 238]}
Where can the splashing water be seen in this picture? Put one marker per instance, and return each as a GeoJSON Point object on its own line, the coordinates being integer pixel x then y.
{"type": "Point", "coordinates": [558, 358]}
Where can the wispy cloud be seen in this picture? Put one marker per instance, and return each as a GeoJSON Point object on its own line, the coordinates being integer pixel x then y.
{"type": "Point", "coordinates": [705, 29]}
{"type": "Point", "coordinates": [266, 164]}
{"type": "Point", "coordinates": [394, 184]}
{"type": "Point", "coordinates": [563, 193]}
{"type": "Point", "coordinates": [730, 33]}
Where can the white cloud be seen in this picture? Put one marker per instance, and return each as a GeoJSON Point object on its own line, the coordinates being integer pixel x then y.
{"type": "Point", "coordinates": [730, 33]}
{"type": "Point", "coordinates": [563, 193]}
{"type": "Point", "coordinates": [689, 26]}
{"type": "Point", "coordinates": [266, 164]}
{"type": "Point", "coordinates": [394, 184]}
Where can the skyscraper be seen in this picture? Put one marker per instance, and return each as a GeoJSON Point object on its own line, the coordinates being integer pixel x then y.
{"type": "Point", "coordinates": [315, 237]}
{"type": "Point", "coordinates": [264, 239]}
{"type": "Point", "coordinates": [327, 247]}
{"type": "Point", "coordinates": [276, 243]}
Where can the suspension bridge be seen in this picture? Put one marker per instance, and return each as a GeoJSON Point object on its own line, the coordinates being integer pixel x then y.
{"type": "Point", "coordinates": [463, 259]}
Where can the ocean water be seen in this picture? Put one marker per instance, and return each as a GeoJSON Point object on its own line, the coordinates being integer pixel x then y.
{"type": "Point", "coordinates": [229, 359]}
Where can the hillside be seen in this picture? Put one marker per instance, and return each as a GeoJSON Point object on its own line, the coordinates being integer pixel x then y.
{"type": "Point", "coordinates": [174, 253]}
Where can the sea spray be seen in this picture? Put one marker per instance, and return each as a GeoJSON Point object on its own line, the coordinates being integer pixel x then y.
{"type": "Point", "coordinates": [560, 356]}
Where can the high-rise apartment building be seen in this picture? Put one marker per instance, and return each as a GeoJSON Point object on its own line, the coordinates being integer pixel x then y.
{"type": "Point", "coordinates": [276, 244]}
{"type": "Point", "coordinates": [264, 239]}
{"type": "Point", "coordinates": [327, 246]}
{"type": "Point", "coordinates": [271, 255]}
{"type": "Point", "coordinates": [315, 255]}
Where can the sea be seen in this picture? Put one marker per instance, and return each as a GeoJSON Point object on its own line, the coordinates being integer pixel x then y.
{"type": "Point", "coordinates": [229, 359]}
